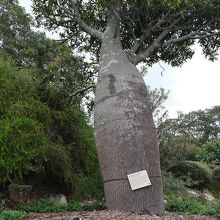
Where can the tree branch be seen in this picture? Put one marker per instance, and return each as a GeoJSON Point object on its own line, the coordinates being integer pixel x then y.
{"type": "Point", "coordinates": [194, 35]}
{"type": "Point", "coordinates": [149, 50]}
{"type": "Point", "coordinates": [82, 24]}
{"type": "Point", "coordinates": [78, 92]}
{"type": "Point", "coordinates": [147, 33]}
{"type": "Point", "coordinates": [157, 43]}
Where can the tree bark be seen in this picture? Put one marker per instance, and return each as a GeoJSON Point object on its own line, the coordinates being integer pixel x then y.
{"type": "Point", "coordinates": [125, 134]}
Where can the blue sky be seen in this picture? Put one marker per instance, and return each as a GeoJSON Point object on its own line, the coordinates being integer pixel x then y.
{"type": "Point", "coordinates": [194, 86]}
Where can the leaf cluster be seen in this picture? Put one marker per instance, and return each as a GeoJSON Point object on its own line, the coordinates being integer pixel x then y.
{"type": "Point", "coordinates": [34, 136]}
{"type": "Point", "coordinates": [185, 137]}
{"type": "Point", "coordinates": [150, 30]}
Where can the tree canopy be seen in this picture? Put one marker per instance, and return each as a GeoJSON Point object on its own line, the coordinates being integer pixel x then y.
{"type": "Point", "coordinates": [150, 30]}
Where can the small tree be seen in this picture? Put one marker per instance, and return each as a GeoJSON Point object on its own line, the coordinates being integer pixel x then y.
{"type": "Point", "coordinates": [121, 34]}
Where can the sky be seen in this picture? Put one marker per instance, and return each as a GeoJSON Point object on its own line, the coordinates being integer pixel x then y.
{"type": "Point", "coordinates": [193, 86]}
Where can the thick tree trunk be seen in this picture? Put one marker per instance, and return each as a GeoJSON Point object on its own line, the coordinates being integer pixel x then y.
{"type": "Point", "coordinates": [125, 134]}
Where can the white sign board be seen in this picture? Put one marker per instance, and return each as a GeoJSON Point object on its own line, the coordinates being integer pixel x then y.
{"type": "Point", "coordinates": [139, 180]}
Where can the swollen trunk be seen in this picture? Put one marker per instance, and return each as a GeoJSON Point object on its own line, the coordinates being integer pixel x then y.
{"type": "Point", "coordinates": [125, 134]}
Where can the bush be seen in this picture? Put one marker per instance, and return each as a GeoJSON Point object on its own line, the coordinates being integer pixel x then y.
{"type": "Point", "coordinates": [21, 141]}
{"type": "Point", "coordinates": [173, 186]}
{"type": "Point", "coordinates": [72, 153]}
{"type": "Point", "coordinates": [216, 177]}
{"type": "Point", "coordinates": [196, 173]}
{"type": "Point", "coordinates": [186, 205]}
{"type": "Point", "coordinates": [90, 187]}
{"type": "Point", "coordinates": [42, 136]}
{"type": "Point", "coordinates": [210, 152]}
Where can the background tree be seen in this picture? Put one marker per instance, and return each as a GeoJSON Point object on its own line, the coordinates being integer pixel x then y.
{"type": "Point", "coordinates": [15, 24]}
{"type": "Point", "coordinates": [190, 136]}
{"type": "Point", "coordinates": [122, 34]}
{"type": "Point", "coordinates": [210, 152]}
{"type": "Point", "coordinates": [157, 97]}
{"type": "Point", "coordinates": [42, 121]}
{"type": "Point", "coordinates": [56, 144]}
{"type": "Point", "coordinates": [54, 61]}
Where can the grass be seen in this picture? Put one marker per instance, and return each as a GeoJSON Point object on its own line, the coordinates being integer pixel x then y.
{"type": "Point", "coordinates": [42, 206]}
{"type": "Point", "coordinates": [192, 206]}
{"type": "Point", "coordinates": [47, 206]}
{"type": "Point", "coordinates": [13, 215]}
{"type": "Point", "coordinates": [178, 200]}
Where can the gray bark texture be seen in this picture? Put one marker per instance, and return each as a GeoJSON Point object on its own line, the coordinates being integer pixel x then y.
{"type": "Point", "coordinates": [125, 134]}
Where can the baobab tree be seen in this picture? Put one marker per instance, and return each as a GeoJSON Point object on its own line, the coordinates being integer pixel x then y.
{"type": "Point", "coordinates": [121, 34]}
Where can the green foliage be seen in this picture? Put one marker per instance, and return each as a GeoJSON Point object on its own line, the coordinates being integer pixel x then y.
{"type": "Point", "coordinates": [156, 98]}
{"type": "Point", "coordinates": [58, 69]}
{"type": "Point", "coordinates": [47, 206]}
{"type": "Point", "coordinates": [21, 141]}
{"type": "Point", "coordinates": [185, 205]}
{"type": "Point", "coordinates": [90, 187]}
{"type": "Point", "coordinates": [73, 128]}
{"type": "Point", "coordinates": [14, 28]}
{"type": "Point", "coordinates": [36, 136]}
{"type": "Point", "coordinates": [183, 137]}
{"type": "Point", "coordinates": [136, 18]}
{"type": "Point", "coordinates": [216, 177]}
{"type": "Point", "coordinates": [15, 85]}
{"type": "Point", "coordinates": [173, 186]}
{"type": "Point", "coordinates": [210, 152]}
{"type": "Point", "coordinates": [177, 199]}
{"type": "Point", "coordinates": [202, 125]}
{"type": "Point", "coordinates": [13, 215]}
{"type": "Point", "coordinates": [22, 138]}
{"type": "Point", "coordinates": [197, 173]}
{"type": "Point", "coordinates": [72, 152]}
{"type": "Point", "coordinates": [192, 206]}
{"type": "Point", "coordinates": [175, 144]}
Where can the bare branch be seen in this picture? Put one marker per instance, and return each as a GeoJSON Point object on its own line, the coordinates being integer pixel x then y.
{"type": "Point", "coordinates": [78, 92]}
{"type": "Point", "coordinates": [163, 69]}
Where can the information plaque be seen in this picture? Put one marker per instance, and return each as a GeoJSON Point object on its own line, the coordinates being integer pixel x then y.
{"type": "Point", "coordinates": [139, 180]}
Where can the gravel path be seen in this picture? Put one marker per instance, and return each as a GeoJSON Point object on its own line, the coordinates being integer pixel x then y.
{"type": "Point", "coordinates": [107, 215]}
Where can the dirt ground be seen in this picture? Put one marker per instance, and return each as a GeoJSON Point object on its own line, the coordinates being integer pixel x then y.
{"type": "Point", "coordinates": [107, 215]}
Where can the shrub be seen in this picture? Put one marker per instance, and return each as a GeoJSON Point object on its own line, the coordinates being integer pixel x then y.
{"type": "Point", "coordinates": [42, 135]}
{"type": "Point", "coordinates": [173, 186]}
{"type": "Point", "coordinates": [210, 152]}
{"type": "Point", "coordinates": [186, 205]}
{"type": "Point", "coordinates": [216, 177]}
{"type": "Point", "coordinates": [198, 174]}
{"type": "Point", "coordinates": [90, 187]}
{"type": "Point", "coordinates": [21, 142]}
{"type": "Point", "coordinates": [72, 153]}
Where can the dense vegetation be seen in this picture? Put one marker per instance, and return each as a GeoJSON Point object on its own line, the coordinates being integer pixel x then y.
{"type": "Point", "coordinates": [44, 130]}
{"type": "Point", "coordinates": [37, 136]}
